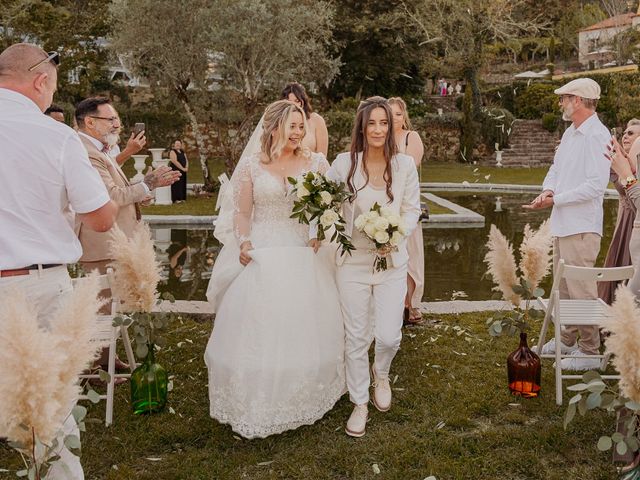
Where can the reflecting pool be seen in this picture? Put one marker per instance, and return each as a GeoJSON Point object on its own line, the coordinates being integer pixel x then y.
{"type": "Point", "coordinates": [453, 254]}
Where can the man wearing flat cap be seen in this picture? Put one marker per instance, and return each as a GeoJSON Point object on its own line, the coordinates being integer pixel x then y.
{"type": "Point", "coordinates": [574, 187]}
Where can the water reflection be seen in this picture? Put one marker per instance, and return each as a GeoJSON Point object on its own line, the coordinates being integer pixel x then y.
{"type": "Point", "coordinates": [453, 256]}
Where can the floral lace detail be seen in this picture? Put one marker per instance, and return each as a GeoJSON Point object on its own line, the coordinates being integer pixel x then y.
{"type": "Point", "coordinates": [271, 224]}
{"type": "Point", "coordinates": [253, 416]}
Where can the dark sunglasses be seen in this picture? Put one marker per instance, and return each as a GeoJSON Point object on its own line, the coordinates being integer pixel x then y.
{"type": "Point", "coordinates": [53, 57]}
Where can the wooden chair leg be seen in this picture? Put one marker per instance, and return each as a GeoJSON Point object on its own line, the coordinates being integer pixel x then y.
{"type": "Point", "coordinates": [111, 369]}
{"type": "Point", "coordinates": [558, 367]}
{"type": "Point", "coordinates": [127, 348]}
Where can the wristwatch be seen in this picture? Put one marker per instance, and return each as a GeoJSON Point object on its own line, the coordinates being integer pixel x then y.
{"type": "Point", "coordinates": [629, 181]}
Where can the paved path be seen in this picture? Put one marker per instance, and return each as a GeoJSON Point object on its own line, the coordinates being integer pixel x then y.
{"type": "Point", "coordinates": [455, 306]}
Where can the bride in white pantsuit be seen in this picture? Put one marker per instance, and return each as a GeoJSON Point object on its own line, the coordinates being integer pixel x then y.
{"type": "Point", "coordinates": [370, 300]}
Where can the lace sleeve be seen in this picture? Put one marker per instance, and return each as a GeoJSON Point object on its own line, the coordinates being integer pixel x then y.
{"type": "Point", "coordinates": [320, 163]}
{"type": "Point", "coordinates": [242, 184]}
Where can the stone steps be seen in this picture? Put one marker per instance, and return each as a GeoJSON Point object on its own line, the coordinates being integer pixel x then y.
{"type": "Point", "coordinates": [530, 145]}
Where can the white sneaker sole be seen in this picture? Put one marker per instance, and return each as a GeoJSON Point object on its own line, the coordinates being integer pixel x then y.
{"type": "Point", "coordinates": [354, 434]}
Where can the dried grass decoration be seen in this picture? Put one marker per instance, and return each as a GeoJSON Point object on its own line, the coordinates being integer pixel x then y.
{"type": "Point", "coordinates": [518, 283]}
{"type": "Point", "coordinates": [136, 275]}
{"type": "Point", "coordinates": [39, 371]}
{"type": "Point", "coordinates": [515, 285]}
{"type": "Point", "coordinates": [623, 399]}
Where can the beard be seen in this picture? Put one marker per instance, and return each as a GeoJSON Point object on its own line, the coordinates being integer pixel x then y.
{"type": "Point", "coordinates": [567, 113]}
{"type": "Point", "coordinates": [111, 139]}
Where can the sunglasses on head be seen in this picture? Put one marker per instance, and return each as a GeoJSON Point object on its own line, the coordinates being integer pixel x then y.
{"type": "Point", "coordinates": [53, 57]}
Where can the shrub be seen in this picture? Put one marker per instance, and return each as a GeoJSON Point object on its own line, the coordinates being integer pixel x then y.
{"type": "Point", "coordinates": [535, 100]}
{"type": "Point", "coordinates": [495, 126]}
{"type": "Point", "coordinates": [550, 121]}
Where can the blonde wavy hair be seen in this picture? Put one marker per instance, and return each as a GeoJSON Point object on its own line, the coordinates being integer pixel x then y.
{"type": "Point", "coordinates": [403, 108]}
{"type": "Point", "coordinates": [277, 118]}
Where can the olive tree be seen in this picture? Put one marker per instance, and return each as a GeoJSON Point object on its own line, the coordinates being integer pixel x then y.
{"type": "Point", "coordinates": [240, 49]}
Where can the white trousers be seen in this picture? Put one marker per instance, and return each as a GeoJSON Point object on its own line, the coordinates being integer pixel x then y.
{"type": "Point", "coordinates": [370, 301]}
{"type": "Point", "coordinates": [46, 290]}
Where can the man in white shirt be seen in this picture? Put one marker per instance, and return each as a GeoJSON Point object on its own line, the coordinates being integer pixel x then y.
{"type": "Point", "coordinates": [44, 169]}
{"type": "Point", "coordinates": [574, 187]}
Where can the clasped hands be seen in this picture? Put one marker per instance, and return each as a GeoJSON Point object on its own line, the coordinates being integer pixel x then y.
{"type": "Point", "coordinates": [621, 163]}
{"type": "Point", "coordinates": [161, 177]}
{"type": "Point", "coordinates": [544, 200]}
{"type": "Point", "coordinates": [246, 247]}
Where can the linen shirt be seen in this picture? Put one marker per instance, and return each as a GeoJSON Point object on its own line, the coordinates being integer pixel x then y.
{"type": "Point", "coordinates": [578, 178]}
{"type": "Point", "coordinates": [45, 168]}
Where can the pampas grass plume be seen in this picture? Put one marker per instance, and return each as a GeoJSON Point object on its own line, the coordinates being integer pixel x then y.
{"type": "Point", "coordinates": [39, 368]}
{"type": "Point", "coordinates": [623, 322]}
{"type": "Point", "coordinates": [136, 269]}
{"type": "Point", "coordinates": [502, 264]}
{"type": "Point", "coordinates": [536, 253]}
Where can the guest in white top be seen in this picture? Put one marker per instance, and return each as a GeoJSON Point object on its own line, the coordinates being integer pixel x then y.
{"type": "Point", "coordinates": [44, 169]}
{"type": "Point", "coordinates": [574, 187]}
{"type": "Point", "coordinates": [373, 301]}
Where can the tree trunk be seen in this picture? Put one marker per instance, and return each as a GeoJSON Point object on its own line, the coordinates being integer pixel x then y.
{"type": "Point", "coordinates": [200, 143]}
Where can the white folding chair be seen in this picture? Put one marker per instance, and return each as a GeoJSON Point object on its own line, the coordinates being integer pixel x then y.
{"type": "Point", "coordinates": [108, 334]}
{"type": "Point", "coordinates": [576, 312]}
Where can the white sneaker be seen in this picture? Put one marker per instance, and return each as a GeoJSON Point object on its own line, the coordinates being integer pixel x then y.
{"type": "Point", "coordinates": [357, 422]}
{"type": "Point", "coordinates": [381, 392]}
{"type": "Point", "coordinates": [549, 348]}
{"type": "Point", "coordinates": [580, 361]}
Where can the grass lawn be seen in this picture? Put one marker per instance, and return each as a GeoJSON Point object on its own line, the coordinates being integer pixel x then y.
{"type": "Point", "coordinates": [431, 172]}
{"type": "Point", "coordinates": [452, 418]}
{"type": "Point", "coordinates": [193, 206]}
{"type": "Point", "coordinates": [457, 172]}
{"type": "Point", "coordinates": [435, 209]}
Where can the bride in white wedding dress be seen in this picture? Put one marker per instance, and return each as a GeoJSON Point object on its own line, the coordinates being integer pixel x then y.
{"type": "Point", "coordinates": [276, 353]}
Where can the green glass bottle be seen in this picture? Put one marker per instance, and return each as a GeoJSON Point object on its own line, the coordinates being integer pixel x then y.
{"type": "Point", "coordinates": [149, 384]}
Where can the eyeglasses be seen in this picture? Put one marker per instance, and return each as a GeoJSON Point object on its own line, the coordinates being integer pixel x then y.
{"type": "Point", "coordinates": [108, 119]}
{"type": "Point", "coordinates": [561, 98]}
{"type": "Point", "coordinates": [53, 57]}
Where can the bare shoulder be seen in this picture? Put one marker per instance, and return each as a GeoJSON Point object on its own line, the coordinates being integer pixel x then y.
{"type": "Point", "coordinates": [414, 137]}
{"type": "Point", "coordinates": [316, 119]}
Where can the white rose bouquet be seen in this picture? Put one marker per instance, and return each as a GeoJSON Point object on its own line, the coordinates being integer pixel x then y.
{"type": "Point", "coordinates": [385, 229]}
{"type": "Point", "coordinates": [320, 198]}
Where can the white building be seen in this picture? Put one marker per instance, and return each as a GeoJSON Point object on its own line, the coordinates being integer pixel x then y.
{"type": "Point", "coordinates": [594, 49]}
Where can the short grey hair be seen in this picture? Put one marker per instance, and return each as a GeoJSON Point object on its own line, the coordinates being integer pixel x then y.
{"type": "Point", "coordinates": [590, 103]}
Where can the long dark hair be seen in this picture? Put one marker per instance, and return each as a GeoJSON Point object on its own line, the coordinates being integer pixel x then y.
{"type": "Point", "coordinates": [359, 144]}
{"type": "Point", "coordinates": [301, 94]}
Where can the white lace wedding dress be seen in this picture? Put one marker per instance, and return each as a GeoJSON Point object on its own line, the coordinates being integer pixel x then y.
{"type": "Point", "coordinates": [275, 356]}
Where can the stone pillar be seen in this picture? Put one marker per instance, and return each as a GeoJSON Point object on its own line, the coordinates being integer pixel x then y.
{"type": "Point", "coordinates": [140, 163]}
{"type": "Point", "coordinates": [163, 194]}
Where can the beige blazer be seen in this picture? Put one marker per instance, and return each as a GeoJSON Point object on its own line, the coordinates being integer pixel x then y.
{"type": "Point", "coordinates": [406, 197]}
{"type": "Point", "coordinates": [95, 245]}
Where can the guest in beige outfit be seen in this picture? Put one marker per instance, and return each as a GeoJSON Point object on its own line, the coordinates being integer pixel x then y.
{"type": "Point", "coordinates": [409, 142]}
{"type": "Point", "coordinates": [98, 122]}
{"type": "Point", "coordinates": [574, 187]}
{"type": "Point", "coordinates": [98, 125]}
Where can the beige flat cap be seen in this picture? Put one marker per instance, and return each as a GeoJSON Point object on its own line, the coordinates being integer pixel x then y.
{"type": "Point", "coordinates": [580, 87]}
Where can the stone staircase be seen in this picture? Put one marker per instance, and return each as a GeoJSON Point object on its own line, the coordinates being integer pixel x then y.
{"type": "Point", "coordinates": [530, 145]}
{"type": "Point", "coordinates": [447, 104]}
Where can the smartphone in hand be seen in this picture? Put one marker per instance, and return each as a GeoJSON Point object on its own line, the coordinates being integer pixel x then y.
{"type": "Point", "coordinates": [138, 127]}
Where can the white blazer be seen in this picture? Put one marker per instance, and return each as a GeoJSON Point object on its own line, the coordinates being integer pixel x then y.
{"type": "Point", "coordinates": [406, 197]}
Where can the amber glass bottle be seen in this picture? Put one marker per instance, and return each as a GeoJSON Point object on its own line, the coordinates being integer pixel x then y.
{"type": "Point", "coordinates": [523, 370]}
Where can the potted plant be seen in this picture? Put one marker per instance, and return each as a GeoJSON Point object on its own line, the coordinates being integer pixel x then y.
{"type": "Point", "coordinates": [136, 275]}
{"type": "Point", "coordinates": [39, 369]}
{"type": "Point", "coordinates": [519, 284]}
{"type": "Point", "coordinates": [623, 325]}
